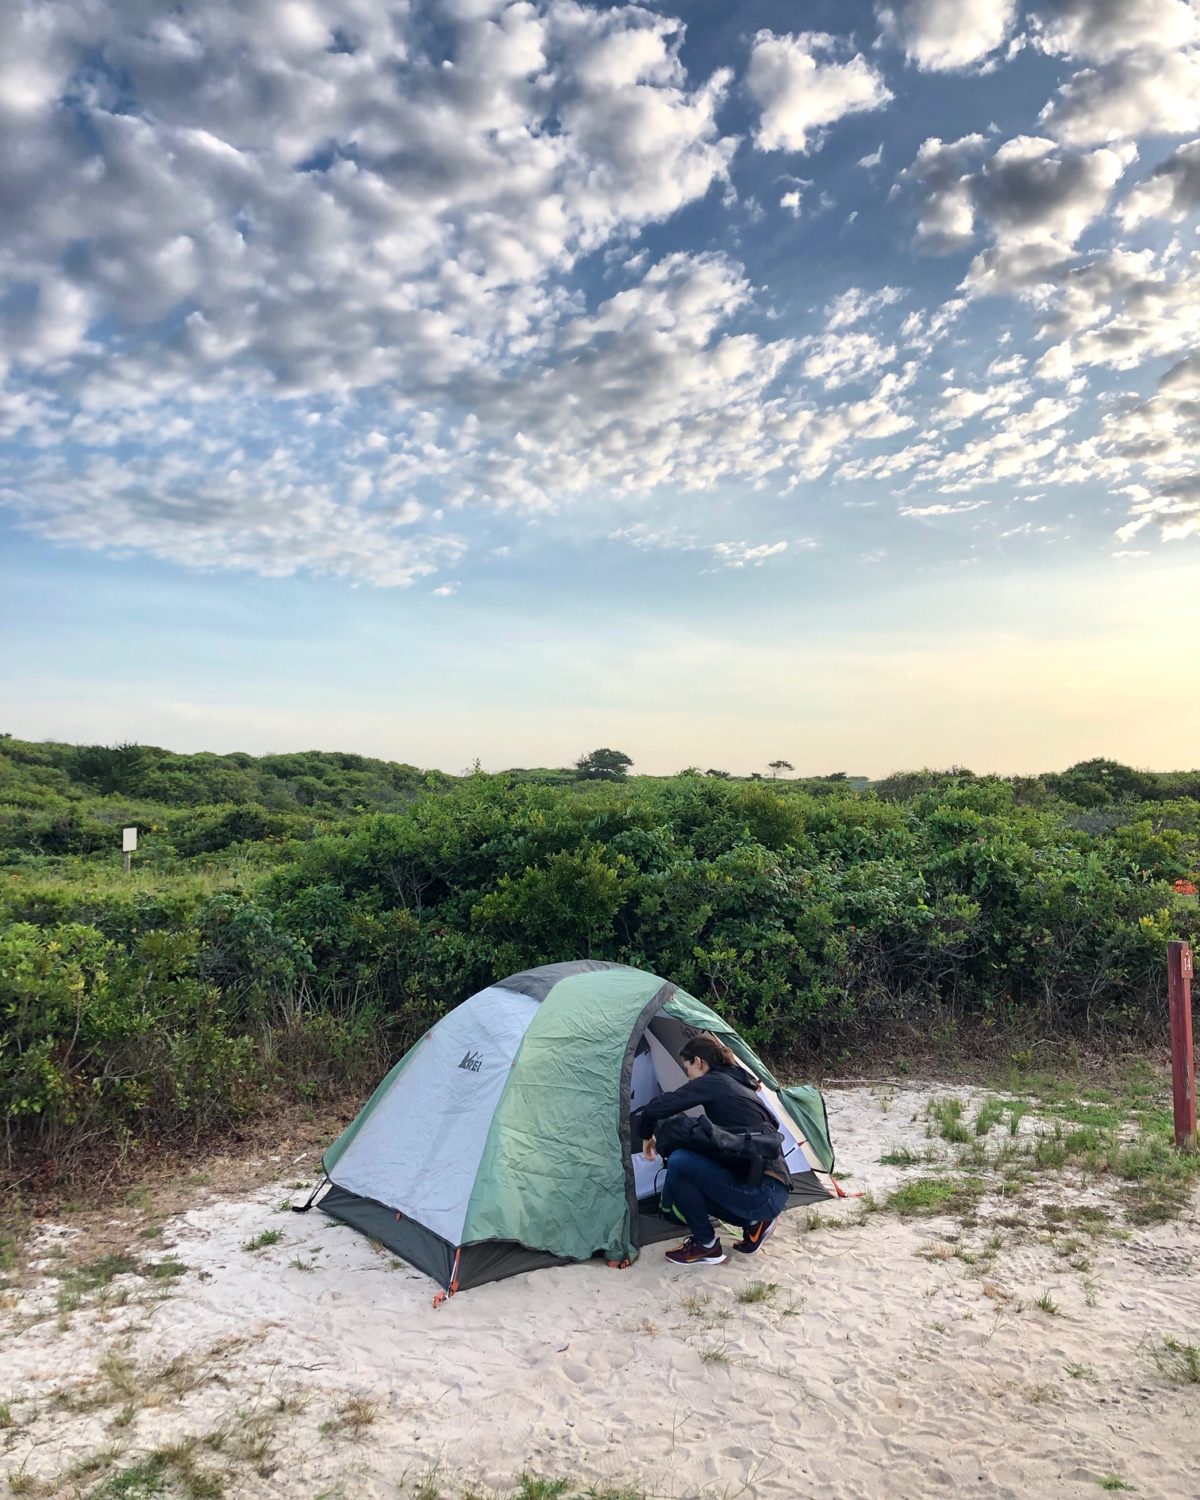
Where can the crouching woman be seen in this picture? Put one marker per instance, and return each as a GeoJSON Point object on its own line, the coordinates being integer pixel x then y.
{"type": "Point", "coordinates": [698, 1187]}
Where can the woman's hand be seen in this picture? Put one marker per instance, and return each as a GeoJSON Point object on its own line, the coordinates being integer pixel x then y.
{"type": "Point", "coordinates": [650, 1148]}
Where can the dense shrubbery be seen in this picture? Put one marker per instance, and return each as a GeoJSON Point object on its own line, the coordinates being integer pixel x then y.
{"type": "Point", "coordinates": [263, 948]}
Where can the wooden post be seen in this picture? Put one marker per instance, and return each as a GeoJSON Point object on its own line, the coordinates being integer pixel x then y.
{"type": "Point", "coordinates": [1183, 1057]}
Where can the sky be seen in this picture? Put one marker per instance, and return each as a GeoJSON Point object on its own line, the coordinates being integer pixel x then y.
{"type": "Point", "coordinates": [456, 380]}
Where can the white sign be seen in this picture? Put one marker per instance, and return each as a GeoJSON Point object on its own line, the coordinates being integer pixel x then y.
{"type": "Point", "coordinates": [128, 840]}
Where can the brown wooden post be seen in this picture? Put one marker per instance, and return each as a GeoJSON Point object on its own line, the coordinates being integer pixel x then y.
{"type": "Point", "coordinates": [1183, 1057]}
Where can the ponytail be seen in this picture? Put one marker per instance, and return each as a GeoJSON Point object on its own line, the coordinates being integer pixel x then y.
{"type": "Point", "coordinates": [706, 1048]}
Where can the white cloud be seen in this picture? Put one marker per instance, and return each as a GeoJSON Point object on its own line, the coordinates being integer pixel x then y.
{"type": "Point", "coordinates": [939, 178]}
{"type": "Point", "coordinates": [1175, 510]}
{"type": "Point", "coordinates": [739, 554]}
{"type": "Point", "coordinates": [1101, 30]}
{"type": "Point", "coordinates": [321, 214]}
{"type": "Point", "coordinates": [1032, 198]}
{"type": "Point", "coordinates": [1172, 191]}
{"type": "Point", "coordinates": [746, 554]}
{"type": "Point", "coordinates": [938, 35]}
{"type": "Point", "coordinates": [958, 508]}
{"type": "Point", "coordinates": [854, 305]}
{"type": "Point", "coordinates": [1138, 94]}
{"type": "Point", "coordinates": [799, 93]}
{"type": "Point", "coordinates": [837, 358]}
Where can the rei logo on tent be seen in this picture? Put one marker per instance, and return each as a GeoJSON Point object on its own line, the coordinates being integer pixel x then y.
{"type": "Point", "coordinates": [472, 1062]}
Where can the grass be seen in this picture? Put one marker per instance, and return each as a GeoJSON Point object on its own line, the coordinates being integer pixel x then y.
{"type": "Point", "coordinates": [900, 1155]}
{"type": "Point", "coordinates": [936, 1195]}
{"type": "Point", "coordinates": [991, 1112]}
{"type": "Point", "coordinates": [946, 1114]}
{"type": "Point", "coordinates": [1178, 1361]}
{"type": "Point", "coordinates": [164, 1270]}
{"type": "Point", "coordinates": [1113, 1482]}
{"type": "Point", "coordinates": [138, 1482]}
{"type": "Point", "coordinates": [529, 1488]}
{"type": "Point", "coordinates": [261, 1241]}
{"type": "Point", "coordinates": [353, 1416]}
{"type": "Point", "coordinates": [97, 1273]}
{"type": "Point", "coordinates": [1047, 1304]}
{"type": "Point", "coordinates": [93, 1463]}
{"type": "Point", "coordinates": [1017, 1110]}
{"type": "Point", "coordinates": [758, 1291]}
{"type": "Point", "coordinates": [714, 1354]}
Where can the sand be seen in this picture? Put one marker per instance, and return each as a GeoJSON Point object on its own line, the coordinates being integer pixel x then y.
{"type": "Point", "coordinates": [888, 1357]}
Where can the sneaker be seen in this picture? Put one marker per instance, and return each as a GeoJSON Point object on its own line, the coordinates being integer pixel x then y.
{"type": "Point", "coordinates": [756, 1236]}
{"type": "Point", "coordinates": [692, 1254]}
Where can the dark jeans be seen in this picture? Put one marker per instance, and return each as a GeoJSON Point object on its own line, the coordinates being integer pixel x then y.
{"type": "Point", "coordinates": [698, 1186]}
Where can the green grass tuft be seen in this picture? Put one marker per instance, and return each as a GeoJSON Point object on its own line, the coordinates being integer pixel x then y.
{"type": "Point", "coordinates": [1178, 1361]}
{"type": "Point", "coordinates": [261, 1241]}
{"type": "Point", "coordinates": [946, 1114]}
{"type": "Point", "coordinates": [991, 1112]}
{"type": "Point", "coordinates": [936, 1195]}
{"type": "Point", "coordinates": [758, 1291]}
{"type": "Point", "coordinates": [531, 1488]}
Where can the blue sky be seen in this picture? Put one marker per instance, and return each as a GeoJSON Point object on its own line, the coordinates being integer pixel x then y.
{"type": "Point", "coordinates": [467, 380]}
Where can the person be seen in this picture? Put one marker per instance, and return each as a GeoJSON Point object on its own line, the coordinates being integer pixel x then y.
{"type": "Point", "coordinates": [697, 1186]}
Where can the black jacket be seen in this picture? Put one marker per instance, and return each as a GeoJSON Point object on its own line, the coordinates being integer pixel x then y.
{"type": "Point", "coordinates": [727, 1095]}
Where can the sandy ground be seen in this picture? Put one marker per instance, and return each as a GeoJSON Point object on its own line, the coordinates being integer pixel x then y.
{"type": "Point", "coordinates": [886, 1357]}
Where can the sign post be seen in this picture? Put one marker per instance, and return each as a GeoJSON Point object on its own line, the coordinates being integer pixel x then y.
{"type": "Point", "coordinates": [1183, 1056]}
{"type": "Point", "coordinates": [128, 845]}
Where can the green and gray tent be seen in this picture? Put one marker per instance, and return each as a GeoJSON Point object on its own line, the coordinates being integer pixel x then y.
{"type": "Point", "coordinates": [500, 1142]}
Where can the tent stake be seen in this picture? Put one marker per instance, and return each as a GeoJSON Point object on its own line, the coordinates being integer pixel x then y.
{"type": "Point", "coordinates": [303, 1208]}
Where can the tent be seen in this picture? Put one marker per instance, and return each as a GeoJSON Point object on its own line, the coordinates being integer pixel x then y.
{"type": "Point", "coordinates": [500, 1141]}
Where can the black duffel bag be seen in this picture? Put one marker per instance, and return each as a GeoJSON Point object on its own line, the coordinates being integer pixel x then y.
{"type": "Point", "coordinates": [747, 1152]}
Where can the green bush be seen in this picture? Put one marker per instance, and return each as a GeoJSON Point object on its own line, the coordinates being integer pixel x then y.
{"type": "Point", "coordinates": [294, 922]}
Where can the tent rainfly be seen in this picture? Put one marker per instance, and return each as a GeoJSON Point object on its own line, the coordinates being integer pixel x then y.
{"type": "Point", "coordinates": [500, 1142]}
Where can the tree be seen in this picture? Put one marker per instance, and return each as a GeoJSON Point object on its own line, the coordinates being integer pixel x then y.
{"type": "Point", "coordinates": [719, 775]}
{"type": "Point", "coordinates": [603, 765]}
{"type": "Point", "coordinates": [775, 766]}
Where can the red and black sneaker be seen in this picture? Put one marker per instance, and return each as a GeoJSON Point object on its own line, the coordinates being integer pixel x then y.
{"type": "Point", "coordinates": [692, 1254]}
{"type": "Point", "coordinates": [756, 1236]}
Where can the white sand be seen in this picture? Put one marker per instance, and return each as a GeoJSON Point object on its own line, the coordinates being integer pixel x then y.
{"type": "Point", "coordinates": [883, 1366]}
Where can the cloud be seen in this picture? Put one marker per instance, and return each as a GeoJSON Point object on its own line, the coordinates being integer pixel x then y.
{"type": "Point", "coordinates": [1175, 510]}
{"type": "Point", "coordinates": [1102, 30]}
{"type": "Point", "coordinates": [799, 94]}
{"type": "Point", "coordinates": [1032, 198]}
{"type": "Point", "coordinates": [854, 305]}
{"type": "Point", "coordinates": [1138, 94]}
{"type": "Point", "coordinates": [958, 508]}
{"type": "Point", "coordinates": [321, 216]}
{"type": "Point", "coordinates": [838, 358]}
{"type": "Point", "coordinates": [740, 554]}
{"type": "Point", "coordinates": [940, 35]}
{"type": "Point", "coordinates": [248, 217]}
{"type": "Point", "coordinates": [1120, 311]}
{"type": "Point", "coordinates": [1172, 191]}
{"type": "Point", "coordinates": [939, 180]}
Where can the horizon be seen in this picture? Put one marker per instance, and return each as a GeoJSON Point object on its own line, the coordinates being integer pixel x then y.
{"type": "Point", "coordinates": [795, 773]}
{"type": "Point", "coordinates": [505, 379]}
